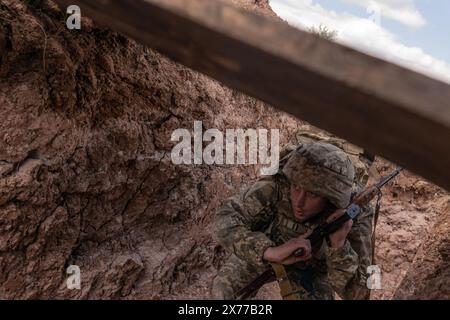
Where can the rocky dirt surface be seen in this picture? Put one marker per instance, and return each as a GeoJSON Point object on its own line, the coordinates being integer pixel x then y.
{"type": "Point", "coordinates": [86, 174]}
{"type": "Point", "coordinates": [428, 276]}
{"type": "Point", "coordinates": [412, 210]}
{"type": "Point", "coordinates": [86, 177]}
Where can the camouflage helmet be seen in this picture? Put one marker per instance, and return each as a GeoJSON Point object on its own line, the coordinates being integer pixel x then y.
{"type": "Point", "coordinates": [324, 169]}
{"type": "Point", "coordinates": [360, 158]}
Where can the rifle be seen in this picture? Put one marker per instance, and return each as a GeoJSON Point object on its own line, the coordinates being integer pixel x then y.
{"type": "Point", "coordinates": [319, 233]}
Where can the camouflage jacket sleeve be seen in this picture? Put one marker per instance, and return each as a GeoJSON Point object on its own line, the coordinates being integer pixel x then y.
{"type": "Point", "coordinates": [360, 238]}
{"type": "Point", "coordinates": [240, 220]}
{"type": "Point", "coordinates": [342, 264]}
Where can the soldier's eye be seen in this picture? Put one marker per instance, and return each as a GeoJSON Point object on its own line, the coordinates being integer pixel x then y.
{"type": "Point", "coordinates": [312, 194]}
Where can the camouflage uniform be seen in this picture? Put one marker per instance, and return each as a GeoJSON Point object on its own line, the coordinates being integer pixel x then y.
{"type": "Point", "coordinates": [261, 217]}
{"type": "Point", "coordinates": [360, 236]}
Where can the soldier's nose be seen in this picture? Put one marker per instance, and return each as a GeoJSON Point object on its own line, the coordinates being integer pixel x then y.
{"type": "Point", "coordinates": [301, 198]}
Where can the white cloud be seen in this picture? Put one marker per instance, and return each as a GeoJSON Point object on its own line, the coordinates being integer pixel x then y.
{"type": "Point", "coordinates": [363, 34]}
{"type": "Point", "coordinates": [403, 11]}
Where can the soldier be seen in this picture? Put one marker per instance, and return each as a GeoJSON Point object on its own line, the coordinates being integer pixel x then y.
{"type": "Point", "coordinates": [269, 221]}
{"type": "Point", "coordinates": [361, 236]}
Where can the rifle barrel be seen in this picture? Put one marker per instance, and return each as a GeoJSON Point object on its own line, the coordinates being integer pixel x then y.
{"type": "Point", "coordinates": [389, 177]}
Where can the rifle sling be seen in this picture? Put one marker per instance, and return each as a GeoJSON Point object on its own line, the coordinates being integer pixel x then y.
{"type": "Point", "coordinates": [288, 290]}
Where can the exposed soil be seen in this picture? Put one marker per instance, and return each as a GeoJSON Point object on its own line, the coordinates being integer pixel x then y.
{"type": "Point", "coordinates": [86, 177]}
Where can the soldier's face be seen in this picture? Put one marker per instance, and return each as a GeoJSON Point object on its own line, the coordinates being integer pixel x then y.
{"type": "Point", "coordinates": [306, 204]}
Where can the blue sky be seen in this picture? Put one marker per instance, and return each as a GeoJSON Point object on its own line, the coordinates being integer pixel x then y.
{"type": "Point", "coordinates": [412, 33]}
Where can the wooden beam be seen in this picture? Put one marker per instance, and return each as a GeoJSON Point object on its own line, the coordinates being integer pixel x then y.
{"type": "Point", "coordinates": [389, 110]}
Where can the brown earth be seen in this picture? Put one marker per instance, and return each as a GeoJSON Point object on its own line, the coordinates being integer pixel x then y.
{"type": "Point", "coordinates": [86, 176]}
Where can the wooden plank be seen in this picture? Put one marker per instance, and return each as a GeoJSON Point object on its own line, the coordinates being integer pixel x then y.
{"type": "Point", "coordinates": [389, 110]}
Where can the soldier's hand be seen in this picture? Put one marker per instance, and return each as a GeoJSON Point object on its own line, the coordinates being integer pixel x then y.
{"type": "Point", "coordinates": [337, 238]}
{"type": "Point", "coordinates": [284, 254]}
